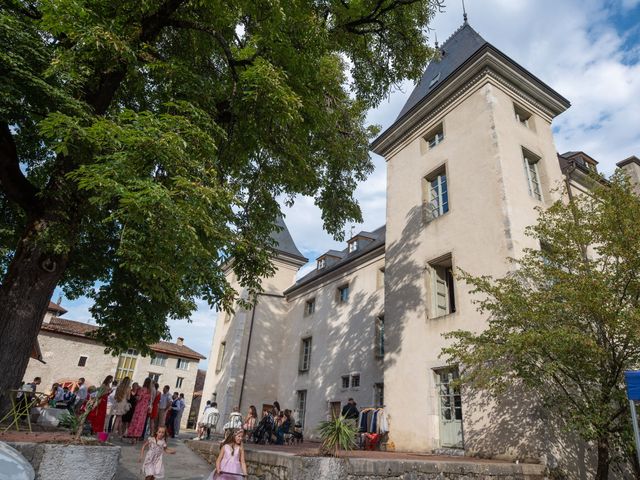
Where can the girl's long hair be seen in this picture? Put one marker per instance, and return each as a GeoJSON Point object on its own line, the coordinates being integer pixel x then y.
{"type": "Point", "coordinates": [229, 439]}
{"type": "Point", "coordinates": [253, 411]}
{"type": "Point", "coordinates": [107, 381]}
{"type": "Point", "coordinates": [147, 383]}
{"type": "Point", "coordinates": [122, 389]}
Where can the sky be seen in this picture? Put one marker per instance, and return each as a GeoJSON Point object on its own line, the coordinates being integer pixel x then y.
{"type": "Point", "coordinates": [587, 50]}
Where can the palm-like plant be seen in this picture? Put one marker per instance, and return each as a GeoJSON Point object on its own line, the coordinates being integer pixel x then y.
{"type": "Point", "coordinates": [337, 434]}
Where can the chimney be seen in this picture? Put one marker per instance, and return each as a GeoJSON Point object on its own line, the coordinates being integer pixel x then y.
{"type": "Point", "coordinates": [180, 341]}
{"type": "Point", "coordinates": [631, 166]}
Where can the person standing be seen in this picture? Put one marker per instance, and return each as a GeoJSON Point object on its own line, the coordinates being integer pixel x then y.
{"type": "Point", "coordinates": [181, 407]}
{"type": "Point", "coordinates": [153, 467]}
{"type": "Point", "coordinates": [350, 410]}
{"type": "Point", "coordinates": [212, 420]}
{"type": "Point", "coordinates": [111, 402]}
{"type": "Point", "coordinates": [143, 397]}
{"type": "Point", "coordinates": [121, 406]}
{"type": "Point", "coordinates": [81, 394]}
{"type": "Point", "coordinates": [155, 404]}
{"type": "Point", "coordinates": [98, 413]}
{"type": "Point", "coordinates": [163, 406]}
{"type": "Point", "coordinates": [173, 413]}
{"type": "Point", "coordinates": [128, 416]}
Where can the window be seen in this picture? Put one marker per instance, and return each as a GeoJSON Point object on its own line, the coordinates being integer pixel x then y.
{"type": "Point", "coordinates": [450, 400]}
{"type": "Point", "coordinates": [82, 361]}
{"type": "Point", "coordinates": [442, 288]}
{"type": "Point", "coordinates": [305, 355]}
{"type": "Point", "coordinates": [530, 163]}
{"type": "Point", "coordinates": [155, 377]}
{"type": "Point", "coordinates": [437, 194]}
{"type": "Point", "coordinates": [435, 136]}
{"type": "Point", "coordinates": [343, 294]}
{"type": "Point", "coordinates": [179, 381]}
{"type": "Point", "coordinates": [126, 364]}
{"type": "Point", "coordinates": [301, 403]}
{"type": "Point", "coordinates": [380, 279]}
{"type": "Point", "coordinates": [434, 80]}
{"type": "Point", "coordinates": [309, 307]}
{"type": "Point", "coordinates": [182, 364]}
{"type": "Point", "coordinates": [321, 263]}
{"type": "Point", "coordinates": [355, 380]}
{"type": "Point", "coordinates": [353, 246]}
{"type": "Point", "coordinates": [345, 381]}
{"type": "Point", "coordinates": [220, 356]}
{"type": "Point", "coordinates": [159, 360]}
{"type": "Point", "coordinates": [378, 394]}
{"type": "Point", "coordinates": [379, 337]}
{"type": "Point", "coordinates": [522, 115]}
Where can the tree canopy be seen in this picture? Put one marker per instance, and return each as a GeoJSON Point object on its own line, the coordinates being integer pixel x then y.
{"type": "Point", "coordinates": [565, 323]}
{"type": "Point", "coordinates": [144, 143]}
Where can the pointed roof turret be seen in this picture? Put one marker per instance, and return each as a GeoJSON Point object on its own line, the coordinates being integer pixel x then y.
{"type": "Point", "coordinates": [284, 241]}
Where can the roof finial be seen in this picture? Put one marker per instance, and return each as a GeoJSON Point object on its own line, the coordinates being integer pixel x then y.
{"type": "Point", "coordinates": [464, 12]}
{"type": "Point", "coordinates": [436, 34]}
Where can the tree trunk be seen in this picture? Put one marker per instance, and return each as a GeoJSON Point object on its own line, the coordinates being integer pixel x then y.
{"type": "Point", "coordinates": [24, 296]}
{"type": "Point", "coordinates": [604, 459]}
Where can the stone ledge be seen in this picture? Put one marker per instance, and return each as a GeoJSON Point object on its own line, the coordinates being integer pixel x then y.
{"type": "Point", "coordinates": [55, 461]}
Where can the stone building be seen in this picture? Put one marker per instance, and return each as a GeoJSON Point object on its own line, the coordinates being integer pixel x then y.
{"type": "Point", "coordinates": [67, 353]}
{"type": "Point", "coordinates": [469, 159]}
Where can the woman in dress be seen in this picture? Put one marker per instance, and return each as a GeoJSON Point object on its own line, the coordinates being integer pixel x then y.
{"type": "Point", "coordinates": [153, 467]}
{"type": "Point", "coordinates": [230, 463]}
{"type": "Point", "coordinates": [155, 401]}
{"type": "Point", "coordinates": [126, 418]}
{"type": "Point", "coordinates": [250, 422]}
{"type": "Point", "coordinates": [122, 405]}
{"type": "Point", "coordinates": [143, 397]}
{"type": "Point", "coordinates": [98, 413]}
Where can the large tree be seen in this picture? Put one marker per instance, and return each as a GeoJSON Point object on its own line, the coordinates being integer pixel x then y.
{"type": "Point", "coordinates": [565, 323]}
{"type": "Point", "coordinates": [145, 142]}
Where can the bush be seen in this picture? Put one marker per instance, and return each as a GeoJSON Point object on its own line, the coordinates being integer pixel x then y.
{"type": "Point", "coordinates": [337, 434]}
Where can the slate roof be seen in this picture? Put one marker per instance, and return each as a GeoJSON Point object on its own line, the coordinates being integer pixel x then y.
{"type": "Point", "coordinates": [285, 242]}
{"type": "Point", "coordinates": [379, 240]}
{"type": "Point", "coordinates": [334, 253]}
{"type": "Point", "coordinates": [79, 329]}
{"type": "Point", "coordinates": [463, 43]}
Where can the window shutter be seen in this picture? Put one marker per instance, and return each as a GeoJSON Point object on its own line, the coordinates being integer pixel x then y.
{"type": "Point", "coordinates": [440, 291]}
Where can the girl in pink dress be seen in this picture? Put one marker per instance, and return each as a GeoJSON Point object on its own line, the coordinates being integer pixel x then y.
{"type": "Point", "coordinates": [136, 427]}
{"type": "Point", "coordinates": [153, 467]}
{"type": "Point", "coordinates": [230, 463]}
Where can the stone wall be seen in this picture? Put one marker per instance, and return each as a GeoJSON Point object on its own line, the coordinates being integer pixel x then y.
{"type": "Point", "coordinates": [269, 465]}
{"type": "Point", "coordinates": [64, 462]}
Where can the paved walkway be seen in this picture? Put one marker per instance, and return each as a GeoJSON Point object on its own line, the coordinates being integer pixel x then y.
{"type": "Point", "coordinates": [184, 465]}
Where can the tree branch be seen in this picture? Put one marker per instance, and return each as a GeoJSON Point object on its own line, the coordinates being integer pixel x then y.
{"type": "Point", "coordinates": [14, 184]}
{"type": "Point", "coordinates": [29, 10]}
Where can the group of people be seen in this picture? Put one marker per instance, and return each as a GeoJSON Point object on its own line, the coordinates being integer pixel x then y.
{"type": "Point", "coordinates": [125, 408]}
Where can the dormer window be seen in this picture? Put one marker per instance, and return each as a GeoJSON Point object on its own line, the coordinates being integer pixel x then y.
{"type": "Point", "coordinates": [321, 263]}
{"type": "Point", "coordinates": [435, 136]}
{"type": "Point", "coordinates": [434, 80]}
{"type": "Point", "coordinates": [353, 246]}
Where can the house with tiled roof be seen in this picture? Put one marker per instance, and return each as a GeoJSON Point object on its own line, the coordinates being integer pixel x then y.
{"type": "Point", "coordinates": [67, 352]}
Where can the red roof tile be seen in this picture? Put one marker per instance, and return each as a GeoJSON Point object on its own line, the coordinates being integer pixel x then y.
{"type": "Point", "coordinates": [79, 329]}
{"type": "Point", "coordinates": [56, 308]}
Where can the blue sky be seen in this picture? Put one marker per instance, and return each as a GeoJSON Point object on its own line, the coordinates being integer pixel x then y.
{"type": "Point", "coordinates": [587, 50]}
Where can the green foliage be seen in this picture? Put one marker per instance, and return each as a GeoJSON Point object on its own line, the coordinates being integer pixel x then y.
{"type": "Point", "coordinates": [156, 138]}
{"type": "Point", "coordinates": [337, 434]}
{"type": "Point", "coordinates": [565, 323]}
{"type": "Point", "coordinates": [70, 421]}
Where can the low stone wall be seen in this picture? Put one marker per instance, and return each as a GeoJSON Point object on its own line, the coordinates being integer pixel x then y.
{"type": "Point", "coordinates": [65, 461]}
{"type": "Point", "coordinates": [269, 465]}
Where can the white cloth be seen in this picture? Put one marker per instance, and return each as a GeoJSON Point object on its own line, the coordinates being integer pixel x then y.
{"type": "Point", "coordinates": [59, 395]}
{"type": "Point", "coordinates": [165, 401]}
{"type": "Point", "coordinates": [82, 392]}
{"type": "Point", "coordinates": [235, 421]}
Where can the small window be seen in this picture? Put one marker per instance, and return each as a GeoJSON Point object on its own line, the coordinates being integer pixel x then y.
{"type": "Point", "coordinates": [353, 246]}
{"type": "Point", "coordinates": [345, 381]}
{"type": "Point", "coordinates": [443, 300]}
{"type": "Point", "coordinates": [82, 361]}
{"type": "Point", "coordinates": [220, 356]}
{"type": "Point", "coordinates": [522, 115]}
{"type": "Point", "coordinates": [343, 294]}
{"type": "Point", "coordinates": [155, 377]}
{"type": "Point", "coordinates": [159, 360]}
{"type": "Point", "coordinates": [179, 381]}
{"type": "Point", "coordinates": [380, 279]}
{"type": "Point", "coordinates": [182, 364]}
{"type": "Point", "coordinates": [437, 194]}
{"type": "Point", "coordinates": [435, 136]}
{"type": "Point", "coordinates": [378, 394]}
{"type": "Point", "coordinates": [434, 80]}
{"type": "Point", "coordinates": [379, 337]}
{"type": "Point", "coordinates": [301, 403]}
{"type": "Point", "coordinates": [530, 164]}
{"type": "Point", "coordinates": [305, 355]}
{"type": "Point", "coordinates": [321, 263]}
{"type": "Point", "coordinates": [355, 380]}
{"type": "Point", "coordinates": [309, 307]}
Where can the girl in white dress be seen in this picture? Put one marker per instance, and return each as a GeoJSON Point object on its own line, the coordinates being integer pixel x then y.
{"type": "Point", "coordinates": [153, 467]}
